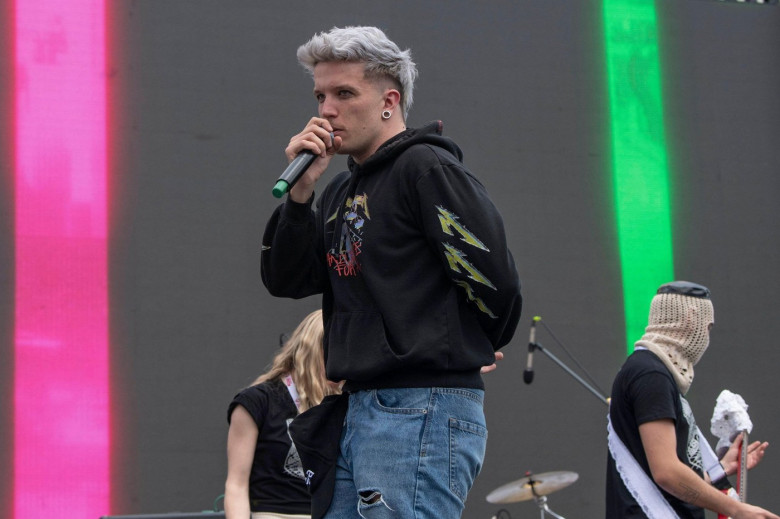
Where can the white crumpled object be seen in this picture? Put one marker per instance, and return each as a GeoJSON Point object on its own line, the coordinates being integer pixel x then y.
{"type": "Point", "coordinates": [729, 418]}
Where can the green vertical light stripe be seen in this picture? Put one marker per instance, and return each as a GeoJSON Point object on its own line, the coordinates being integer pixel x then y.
{"type": "Point", "coordinates": [640, 177]}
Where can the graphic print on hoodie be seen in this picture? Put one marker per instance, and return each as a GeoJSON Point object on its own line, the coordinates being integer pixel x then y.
{"type": "Point", "coordinates": [344, 257]}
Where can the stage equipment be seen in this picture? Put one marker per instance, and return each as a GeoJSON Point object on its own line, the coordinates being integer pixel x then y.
{"type": "Point", "coordinates": [730, 419]}
{"type": "Point", "coordinates": [535, 487]}
{"type": "Point", "coordinates": [533, 345]}
{"type": "Point", "coordinates": [294, 171]}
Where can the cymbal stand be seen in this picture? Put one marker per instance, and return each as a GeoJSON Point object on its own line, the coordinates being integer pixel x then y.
{"type": "Point", "coordinates": [541, 502]}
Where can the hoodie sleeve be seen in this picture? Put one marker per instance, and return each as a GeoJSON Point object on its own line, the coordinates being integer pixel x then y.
{"type": "Point", "coordinates": [289, 259]}
{"type": "Point", "coordinates": [465, 227]}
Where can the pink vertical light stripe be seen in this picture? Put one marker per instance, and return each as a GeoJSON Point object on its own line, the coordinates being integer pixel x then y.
{"type": "Point", "coordinates": [61, 415]}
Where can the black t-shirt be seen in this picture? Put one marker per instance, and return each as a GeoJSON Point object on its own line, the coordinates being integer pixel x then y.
{"type": "Point", "coordinates": [645, 391]}
{"type": "Point", "coordinates": [276, 482]}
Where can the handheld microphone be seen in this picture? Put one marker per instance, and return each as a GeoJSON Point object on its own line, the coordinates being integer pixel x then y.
{"type": "Point", "coordinates": [528, 373]}
{"type": "Point", "coordinates": [294, 171]}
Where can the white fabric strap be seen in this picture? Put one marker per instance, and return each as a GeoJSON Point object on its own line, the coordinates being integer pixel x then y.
{"type": "Point", "coordinates": [710, 459]}
{"type": "Point", "coordinates": [644, 490]}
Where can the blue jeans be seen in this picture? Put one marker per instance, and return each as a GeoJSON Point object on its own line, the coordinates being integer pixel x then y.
{"type": "Point", "coordinates": [409, 453]}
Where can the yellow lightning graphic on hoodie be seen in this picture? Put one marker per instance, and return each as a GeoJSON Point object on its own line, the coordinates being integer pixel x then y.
{"type": "Point", "coordinates": [457, 257]}
{"type": "Point", "coordinates": [449, 222]}
{"type": "Point", "coordinates": [479, 302]}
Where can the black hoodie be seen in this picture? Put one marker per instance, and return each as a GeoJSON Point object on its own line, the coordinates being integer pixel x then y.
{"type": "Point", "coordinates": [419, 287]}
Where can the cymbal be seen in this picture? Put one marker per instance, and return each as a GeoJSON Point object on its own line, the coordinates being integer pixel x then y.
{"type": "Point", "coordinates": [533, 485]}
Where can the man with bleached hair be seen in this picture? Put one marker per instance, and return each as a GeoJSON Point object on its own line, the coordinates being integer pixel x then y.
{"type": "Point", "coordinates": [419, 289]}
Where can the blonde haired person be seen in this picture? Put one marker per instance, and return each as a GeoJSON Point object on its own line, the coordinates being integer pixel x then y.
{"type": "Point", "coordinates": [265, 477]}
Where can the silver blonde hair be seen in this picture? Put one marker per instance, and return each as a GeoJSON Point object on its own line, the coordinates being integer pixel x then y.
{"type": "Point", "coordinates": [368, 45]}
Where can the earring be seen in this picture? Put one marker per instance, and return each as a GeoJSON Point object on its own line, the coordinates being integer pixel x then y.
{"type": "Point", "coordinates": [386, 114]}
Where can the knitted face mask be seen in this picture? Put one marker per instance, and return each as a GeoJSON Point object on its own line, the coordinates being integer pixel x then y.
{"type": "Point", "coordinates": [678, 328]}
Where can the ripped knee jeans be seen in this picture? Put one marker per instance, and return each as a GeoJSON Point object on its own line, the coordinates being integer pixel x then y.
{"type": "Point", "coordinates": [409, 453]}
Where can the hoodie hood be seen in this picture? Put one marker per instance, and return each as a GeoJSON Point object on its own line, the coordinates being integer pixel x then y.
{"type": "Point", "coordinates": [431, 134]}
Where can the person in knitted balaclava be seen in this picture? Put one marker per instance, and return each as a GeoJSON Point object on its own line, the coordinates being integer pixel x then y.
{"type": "Point", "coordinates": [678, 329]}
{"type": "Point", "coordinates": [655, 467]}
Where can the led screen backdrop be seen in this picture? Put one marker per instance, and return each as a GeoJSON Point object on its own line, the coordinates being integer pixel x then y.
{"type": "Point", "coordinates": [624, 143]}
{"type": "Point", "coordinates": [60, 404]}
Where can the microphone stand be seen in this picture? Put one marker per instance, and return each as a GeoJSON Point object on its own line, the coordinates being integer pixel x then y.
{"type": "Point", "coordinates": [538, 346]}
{"type": "Point", "coordinates": [541, 501]}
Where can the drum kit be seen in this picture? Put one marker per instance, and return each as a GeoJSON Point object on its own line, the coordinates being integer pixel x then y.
{"type": "Point", "coordinates": [536, 487]}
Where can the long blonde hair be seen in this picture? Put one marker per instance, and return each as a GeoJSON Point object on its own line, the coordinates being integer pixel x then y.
{"type": "Point", "coordinates": [303, 358]}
